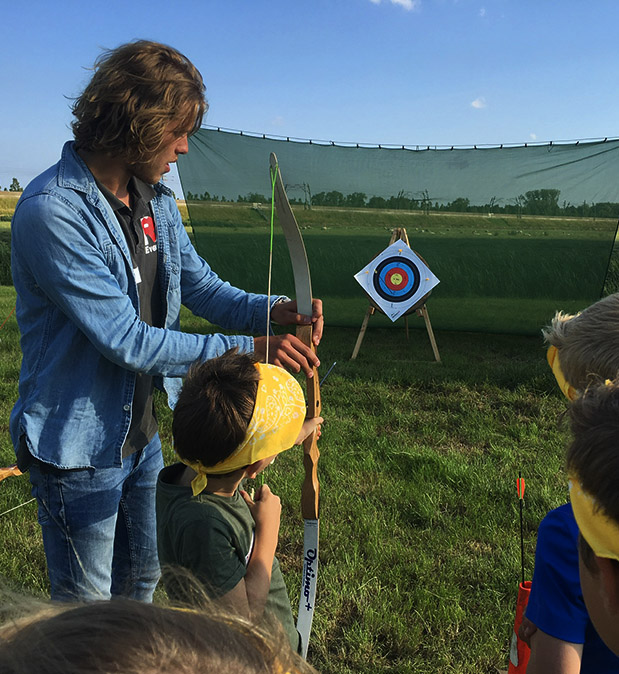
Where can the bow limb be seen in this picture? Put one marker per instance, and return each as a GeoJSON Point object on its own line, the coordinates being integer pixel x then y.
{"type": "Point", "coordinates": [8, 471]}
{"type": "Point", "coordinates": [311, 488]}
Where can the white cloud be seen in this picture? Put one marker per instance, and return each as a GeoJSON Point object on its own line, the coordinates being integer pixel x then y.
{"type": "Point", "coordinates": [533, 136]}
{"type": "Point", "coordinates": [482, 12]}
{"type": "Point", "coordinates": [408, 5]}
{"type": "Point", "coordinates": [278, 121]}
{"type": "Point", "coordinates": [479, 103]}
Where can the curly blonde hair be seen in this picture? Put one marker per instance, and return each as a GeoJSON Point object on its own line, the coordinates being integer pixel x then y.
{"type": "Point", "coordinates": [136, 91]}
{"type": "Point", "coordinates": [125, 635]}
{"type": "Point", "coordinates": [588, 342]}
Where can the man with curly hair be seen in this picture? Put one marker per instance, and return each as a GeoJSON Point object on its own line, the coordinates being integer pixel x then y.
{"type": "Point", "coordinates": [101, 265]}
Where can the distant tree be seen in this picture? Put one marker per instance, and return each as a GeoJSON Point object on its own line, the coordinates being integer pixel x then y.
{"type": "Point", "coordinates": [493, 205]}
{"type": "Point", "coordinates": [255, 198]}
{"type": "Point", "coordinates": [334, 198]}
{"type": "Point", "coordinates": [15, 186]}
{"type": "Point", "coordinates": [519, 202]}
{"type": "Point", "coordinates": [318, 199]}
{"type": "Point", "coordinates": [542, 202]}
{"type": "Point", "coordinates": [399, 201]}
{"type": "Point", "coordinates": [377, 202]}
{"type": "Point", "coordinates": [605, 209]}
{"type": "Point", "coordinates": [426, 202]}
{"type": "Point", "coordinates": [355, 200]}
{"type": "Point", "coordinates": [459, 205]}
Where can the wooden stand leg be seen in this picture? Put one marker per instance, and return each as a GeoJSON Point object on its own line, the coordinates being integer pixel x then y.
{"type": "Point", "coordinates": [426, 317]}
{"type": "Point", "coordinates": [364, 326]}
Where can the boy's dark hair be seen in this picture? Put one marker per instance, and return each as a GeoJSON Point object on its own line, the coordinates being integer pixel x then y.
{"type": "Point", "coordinates": [136, 91]}
{"type": "Point", "coordinates": [215, 407]}
{"type": "Point", "coordinates": [593, 455]}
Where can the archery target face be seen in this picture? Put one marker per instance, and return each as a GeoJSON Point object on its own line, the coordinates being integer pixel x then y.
{"type": "Point", "coordinates": [396, 279]}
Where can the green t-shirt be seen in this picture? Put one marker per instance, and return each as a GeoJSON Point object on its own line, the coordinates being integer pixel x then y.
{"type": "Point", "coordinates": [213, 537]}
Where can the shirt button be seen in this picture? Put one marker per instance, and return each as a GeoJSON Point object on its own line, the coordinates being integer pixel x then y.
{"type": "Point", "coordinates": [126, 407]}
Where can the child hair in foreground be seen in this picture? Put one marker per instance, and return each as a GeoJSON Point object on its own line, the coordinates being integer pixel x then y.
{"type": "Point", "coordinates": [593, 468]}
{"type": "Point", "coordinates": [135, 637]}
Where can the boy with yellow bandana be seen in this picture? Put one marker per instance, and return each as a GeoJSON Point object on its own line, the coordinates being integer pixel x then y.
{"type": "Point", "coordinates": [231, 420]}
{"type": "Point", "coordinates": [593, 468]}
{"type": "Point", "coordinates": [583, 350]}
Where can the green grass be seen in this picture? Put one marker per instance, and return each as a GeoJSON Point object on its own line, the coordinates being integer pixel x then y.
{"type": "Point", "coordinates": [500, 275]}
{"type": "Point", "coordinates": [420, 555]}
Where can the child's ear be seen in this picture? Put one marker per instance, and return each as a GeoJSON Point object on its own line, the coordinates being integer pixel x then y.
{"type": "Point", "coordinates": [252, 470]}
{"type": "Point", "coordinates": [609, 577]}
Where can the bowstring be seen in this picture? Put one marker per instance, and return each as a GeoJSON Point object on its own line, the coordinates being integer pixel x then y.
{"type": "Point", "coordinates": [273, 180]}
{"type": "Point", "coordinates": [260, 478]}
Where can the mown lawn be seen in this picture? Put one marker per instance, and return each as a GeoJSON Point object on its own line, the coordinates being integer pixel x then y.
{"type": "Point", "coordinates": [420, 553]}
{"type": "Point", "coordinates": [500, 275]}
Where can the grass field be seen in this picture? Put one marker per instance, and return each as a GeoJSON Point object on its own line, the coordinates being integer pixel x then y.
{"type": "Point", "coordinates": [420, 554]}
{"type": "Point", "coordinates": [501, 274]}
{"type": "Point", "coordinates": [419, 518]}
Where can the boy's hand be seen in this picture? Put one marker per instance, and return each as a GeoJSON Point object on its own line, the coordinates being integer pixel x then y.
{"type": "Point", "coordinates": [265, 508]}
{"type": "Point", "coordinates": [308, 428]}
{"type": "Point", "coordinates": [526, 630]}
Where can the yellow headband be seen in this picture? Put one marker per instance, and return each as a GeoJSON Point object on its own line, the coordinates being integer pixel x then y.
{"type": "Point", "coordinates": [601, 532]}
{"type": "Point", "coordinates": [568, 390]}
{"type": "Point", "coordinates": [275, 424]}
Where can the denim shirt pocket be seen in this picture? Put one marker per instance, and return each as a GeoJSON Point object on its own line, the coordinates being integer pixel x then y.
{"type": "Point", "coordinates": [117, 265]}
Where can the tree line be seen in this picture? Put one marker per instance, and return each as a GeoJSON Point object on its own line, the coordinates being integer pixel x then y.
{"type": "Point", "coordinates": [534, 202]}
{"type": "Point", "coordinates": [13, 187]}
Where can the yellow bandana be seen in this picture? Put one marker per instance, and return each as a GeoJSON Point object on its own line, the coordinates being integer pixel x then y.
{"type": "Point", "coordinates": [275, 424]}
{"type": "Point", "coordinates": [553, 360]}
{"type": "Point", "coordinates": [601, 532]}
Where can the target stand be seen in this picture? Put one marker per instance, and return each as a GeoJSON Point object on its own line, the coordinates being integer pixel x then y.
{"type": "Point", "coordinates": [391, 273]}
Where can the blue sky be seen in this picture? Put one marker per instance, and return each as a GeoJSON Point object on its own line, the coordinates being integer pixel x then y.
{"type": "Point", "coordinates": [427, 72]}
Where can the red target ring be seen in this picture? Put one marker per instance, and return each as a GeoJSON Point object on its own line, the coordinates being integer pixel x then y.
{"type": "Point", "coordinates": [396, 278]}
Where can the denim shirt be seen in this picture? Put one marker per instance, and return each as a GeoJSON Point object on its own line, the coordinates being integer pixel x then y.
{"type": "Point", "coordinates": [77, 308]}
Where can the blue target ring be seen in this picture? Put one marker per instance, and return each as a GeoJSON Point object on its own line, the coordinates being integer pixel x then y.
{"type": "Point", "coordinates": [396, 279]}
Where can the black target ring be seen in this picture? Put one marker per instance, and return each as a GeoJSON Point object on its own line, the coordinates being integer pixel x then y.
{"type": "Point", "coordinates": [396, 279]}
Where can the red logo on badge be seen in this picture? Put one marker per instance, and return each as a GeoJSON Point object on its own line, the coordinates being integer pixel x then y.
{"type": "Point", "coordinates": [149, 228]}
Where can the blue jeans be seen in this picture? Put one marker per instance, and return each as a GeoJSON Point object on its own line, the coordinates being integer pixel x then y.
{"type": "Point", "coordinates": [99, 529]}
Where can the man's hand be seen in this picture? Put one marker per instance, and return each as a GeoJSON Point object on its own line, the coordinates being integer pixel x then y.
{"type": "Point", "coordinates": [285, 313]}
{"type": "Point", "coordinates": [288, 352]}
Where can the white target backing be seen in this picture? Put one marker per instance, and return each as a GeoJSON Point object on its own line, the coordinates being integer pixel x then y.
{"type": "Point", "coordinates": [396, 279]}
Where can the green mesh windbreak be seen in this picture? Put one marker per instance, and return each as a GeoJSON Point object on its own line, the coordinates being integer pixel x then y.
{"type": "Point", "coordinates": [513, 233]}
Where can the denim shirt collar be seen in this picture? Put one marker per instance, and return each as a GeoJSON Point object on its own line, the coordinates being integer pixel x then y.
{"type": "Point", "coordinates": [74, 174]}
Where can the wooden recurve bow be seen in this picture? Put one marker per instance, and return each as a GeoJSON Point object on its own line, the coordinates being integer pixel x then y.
{"type": "Point", "coordinates": [310, 489]}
